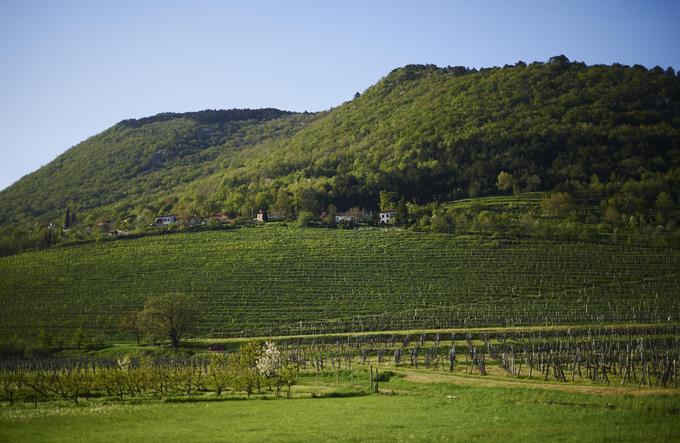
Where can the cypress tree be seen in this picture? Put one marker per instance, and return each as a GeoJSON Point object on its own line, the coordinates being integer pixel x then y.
{"type": "Point", "coordinates": [67, 220]}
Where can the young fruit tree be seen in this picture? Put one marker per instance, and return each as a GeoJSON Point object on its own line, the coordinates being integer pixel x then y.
{"type": "Point", "coordinates": [269, 364]}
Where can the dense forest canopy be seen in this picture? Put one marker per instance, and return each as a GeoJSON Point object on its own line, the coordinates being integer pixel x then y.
{"type": "Point", "coordinates": [422, 133]}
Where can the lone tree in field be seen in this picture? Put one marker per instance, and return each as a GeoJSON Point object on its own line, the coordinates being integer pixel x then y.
{"type": "Point", "coordinates": [170, 316]}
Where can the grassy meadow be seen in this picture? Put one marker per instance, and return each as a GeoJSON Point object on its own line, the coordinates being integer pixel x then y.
{"type": "Point", "coordinates": [414, 405]}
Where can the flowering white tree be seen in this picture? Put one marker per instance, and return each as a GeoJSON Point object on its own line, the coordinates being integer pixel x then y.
{"type": "Point", "coordinates": [270, 361]}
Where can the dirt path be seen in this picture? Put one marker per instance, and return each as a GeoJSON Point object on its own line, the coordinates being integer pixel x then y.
{"type": "Point", "coordinates": [426, 376]}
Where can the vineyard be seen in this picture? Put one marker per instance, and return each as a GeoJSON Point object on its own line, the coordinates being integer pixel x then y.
{"type": "Point", "coordinates": [590, 383]}
{"type": "Point", "coordinates": [593, 354]}
{"type": "Point", "coordinates": [279, 280]}
{"type": "Point", "coordinates": [644, 356]}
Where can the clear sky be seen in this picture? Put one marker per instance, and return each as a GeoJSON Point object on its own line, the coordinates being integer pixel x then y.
{"type": "Point", "coordinates": [70, 69]}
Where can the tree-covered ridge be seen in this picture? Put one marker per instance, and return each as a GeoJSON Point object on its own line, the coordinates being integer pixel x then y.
{"type": "Point", "coordinates": [135, 161]}
{"type": "Point", "coordinates": [423, 133]}
{"type": "Point", "coordinates": [431, 133]}
{"type": "Point", "coordinates": [211, 116]}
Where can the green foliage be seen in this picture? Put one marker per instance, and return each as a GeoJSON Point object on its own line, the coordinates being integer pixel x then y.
{"type": "Point", "coordinates": [79, 338]}
{"type": "Point", "coordinates": [421, 134]}
{"type": "Point", "coordinates": [289, 375]}
{"type": "Point", "coordinates": [387, 201]}
{"type": "Point", "coordinates": [505, 181]}
{"type": "Point", "coordinates": [250, 352]}
{"type": "Point", "coordinates": [558, 204]}
{"type": "Point", "coordinates": [221, 372]}
{"type": "Point", "coordinates": [305, 218]}
{"type": "Point", "coordinates": [651, 202]}
{"type": "Point", "coordinates": [331, 212]}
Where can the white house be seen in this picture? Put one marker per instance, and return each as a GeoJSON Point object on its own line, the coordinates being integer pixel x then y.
{"type": "Point", "coordinates": [165, 220]}
{"type": "Point", "coordinates": [262, 216]}
{"type": "Point", "coordinates": [387, 217]}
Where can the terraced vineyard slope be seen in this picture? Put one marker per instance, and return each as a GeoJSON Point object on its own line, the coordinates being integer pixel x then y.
{"type": "Point", "coordinates": [282, 280]}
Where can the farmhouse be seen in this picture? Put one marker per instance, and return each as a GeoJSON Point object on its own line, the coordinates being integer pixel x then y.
{"type": "Point", "coordinates": [266, 216]}
{"type": "Point", "coordinates": [387, 217]}
{"type": "Point", "coordinates": [343, 217]}
{"type": "Point", "coordinates": [355, 215]}
{"type": "Point", "coordinates": [165, 220]}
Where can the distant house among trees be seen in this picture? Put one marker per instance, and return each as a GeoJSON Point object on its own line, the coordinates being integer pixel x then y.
{"type": "Point", "coordinates": [276, 216]}
{"type": "Point", "coordinates": [343, 217]}
{"type": "Point", "coordinates": [264, 216]}
{"type": "Point", "coordinates": [387, 217]}
{"type": "Point", "coordinates": [221, 218]}
{"type": "Point", "coordinates": [194, 220]}
{"type": "Point", "coordinates": [165, 220]}
{"type": "Point", "coordinates": [354, 215]}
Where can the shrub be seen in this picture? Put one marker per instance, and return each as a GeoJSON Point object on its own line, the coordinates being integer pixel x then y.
{"type": "Point", "coordinates": [558, 204]}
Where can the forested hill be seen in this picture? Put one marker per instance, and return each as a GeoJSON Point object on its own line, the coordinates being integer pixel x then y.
{"type": "Point", "coordinates": [424, 133]}
{"type": "Point", "coordinates": [136, 162]}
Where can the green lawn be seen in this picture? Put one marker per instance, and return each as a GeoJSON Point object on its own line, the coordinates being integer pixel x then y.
{"type": "Point", "coordinates": [408, 411]}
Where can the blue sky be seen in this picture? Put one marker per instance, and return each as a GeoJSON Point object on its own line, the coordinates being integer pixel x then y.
{"type": "Point", "coordinates": [70, 69]}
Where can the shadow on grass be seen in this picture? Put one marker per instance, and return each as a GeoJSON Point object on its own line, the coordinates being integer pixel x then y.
{"type": "Point", "coordinates": [334, 394]}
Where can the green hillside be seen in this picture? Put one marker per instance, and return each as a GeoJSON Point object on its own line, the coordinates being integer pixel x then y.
{"type": "Point", "coordinates": [279, 280]}
{"type": "Point", "coordinates": [590, 154]}
{"type": "Point", "coordinates": [423, 133]}
{"type": "Point", "coordinates": [138, 163]}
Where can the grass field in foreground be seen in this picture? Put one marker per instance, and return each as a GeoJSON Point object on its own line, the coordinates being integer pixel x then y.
{"type": "Point", "coordinates": [280, 281]}
{"type": "Point", "coordinates": [418, 406]}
